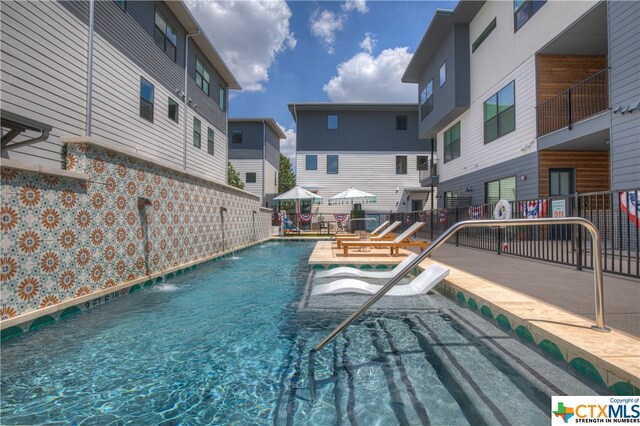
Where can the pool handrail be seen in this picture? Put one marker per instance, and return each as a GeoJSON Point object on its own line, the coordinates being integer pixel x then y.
{"type": "Point", "coordinates": [485, 223]}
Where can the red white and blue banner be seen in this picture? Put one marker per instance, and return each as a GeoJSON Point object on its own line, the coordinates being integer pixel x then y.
{"type": "Point", "coordinates": [533, 209]}
{"type": "Point", "coordinates": [442, 217]}
{"type": "Point", "coordinates": [630, 205]}
{"type": "Point", "coordinates": [476, 213]}
{"type": "Point", "coordinates": [340, 217]}
{"type": "Point", "coordinates": [422, 215]}
{"type": "Point", "coordinates": [306, 217]}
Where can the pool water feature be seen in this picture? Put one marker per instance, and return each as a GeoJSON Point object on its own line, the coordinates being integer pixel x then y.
{"type": "Point", "coordinates": [227, 343]}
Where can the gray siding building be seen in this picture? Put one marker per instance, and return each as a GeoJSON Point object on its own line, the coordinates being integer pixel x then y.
{"type": "Point", "coordinates": [254, 152]}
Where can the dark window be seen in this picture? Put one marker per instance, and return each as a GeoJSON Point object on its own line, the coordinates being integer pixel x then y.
{"type": "Point", "coordinates": [311, 162]}
{"type": "Point", "coordinates": [122, 4]}
{"type": "Point", "coordinates": [165, 36]}
{"type": "Point", "coordinates": [222, 95]}
{"type": "Point", "coordinates": [202, 76]}
{"type": "Point", "coordinates": [196, 132]}
{"type": "Point", "coordinates": [332, 164]}
{"type": "Point", "coordinates": [402, 121]}
{"type": "Point", "coordinates": [443, 73]}
{"type": "Point", "coordinates": [332, 122]}
{"type": "Point", "coordinates": [502, 189]}
{"type": "Point", "coordinates": [146, 99]}
{"type": "Point", "coordinates": [251, 178]}
{"type": "Point", "coordinates": [484, 35]}
{"type": "Point", "coordinates": [401, 164]}
{"type": "Point", "coordinates": [426, 100]}
{"type": "Point", "coordinates": [173, 110]}
{"type": "Point", "coordinates": [416, 205]}
{"type": "Point", "coordinates": [561, 182]}
{"type": "Point", "coordinates": [452, 143]}
{"type": "Point", "coordinates": [523, 10]}
{"type": "Point", "coordinates": [236, 136]}
{"type": "Point", "coordinates": [423, 162]}
{"type": "Point", "coordinates": [210, 140]}
{"type": "Point", "coordinates": [500, 113]}
{"type": "Point", "coordinates": [452, 198]}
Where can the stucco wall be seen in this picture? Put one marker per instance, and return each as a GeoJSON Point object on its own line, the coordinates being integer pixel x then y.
{"type": "Point", "coordinates": [66, 237]}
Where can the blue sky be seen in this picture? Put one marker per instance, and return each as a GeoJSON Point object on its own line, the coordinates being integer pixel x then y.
{"type": "Point", "coordinates": [302, 51]}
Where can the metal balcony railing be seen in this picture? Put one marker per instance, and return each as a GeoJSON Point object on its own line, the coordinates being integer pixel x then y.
{"type": "Point", "coordinates": [579, 102]}
{"type": "Point", "coordinates": [427, 171]}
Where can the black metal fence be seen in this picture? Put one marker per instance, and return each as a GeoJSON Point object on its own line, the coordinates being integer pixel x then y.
{"type": "Point", "coordinates": [327, 223]}
{"type": "Point", "coordinates": [611, 211]}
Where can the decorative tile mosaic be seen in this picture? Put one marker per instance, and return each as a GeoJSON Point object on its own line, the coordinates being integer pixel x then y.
{"type": "Point", "coordinates": [63, 238]}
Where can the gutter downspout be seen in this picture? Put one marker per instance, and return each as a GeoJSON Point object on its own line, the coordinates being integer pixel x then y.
{"type": "Point", "coordinates": [90, 70]}
{"type": "Point", "coordinates": [264, 142]}
{"type": "Point", "coordinates": [186, 97]}
{"type": "Point", "coordinates": [295, 156]}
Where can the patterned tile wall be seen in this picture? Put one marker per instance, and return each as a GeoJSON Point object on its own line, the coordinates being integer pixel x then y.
{"type": "Point", "coordinates": [63, 238]}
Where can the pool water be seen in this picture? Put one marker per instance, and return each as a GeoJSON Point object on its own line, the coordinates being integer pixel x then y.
{"type": "Point", "coordinates": [226, 344]}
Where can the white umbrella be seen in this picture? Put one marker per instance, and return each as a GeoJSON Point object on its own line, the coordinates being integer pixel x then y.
{"type": "Point", "coordinates": [352, 196]}
{"type": "Point", "coordinates": [299, 194]}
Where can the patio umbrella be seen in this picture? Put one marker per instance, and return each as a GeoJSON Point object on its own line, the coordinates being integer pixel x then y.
{"type": "Point", "coordinates": [299, 195]}
{"type": "Point", "coordinates": [352, 196]}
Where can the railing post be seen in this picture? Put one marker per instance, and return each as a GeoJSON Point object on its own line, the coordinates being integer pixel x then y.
{"type": "Point", "coordinates": [431, 224]}
{"type": "Point", "coordinates": [569, 108]}
{"type": "Point", "coordinates": [579, 251]}
{"type": "Point", "coordinates": [457, 220]}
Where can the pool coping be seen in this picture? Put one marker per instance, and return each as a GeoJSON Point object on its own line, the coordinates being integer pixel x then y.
{"type": "Point", "coordinates": [26, 321]}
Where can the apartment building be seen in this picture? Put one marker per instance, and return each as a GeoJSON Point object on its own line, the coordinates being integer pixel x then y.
{"type": "Point", "coordinates": [254, 152]}
{"type": "Point", "coordinates": [372, 147]}
{"type": "Point", "coordinates": [530, 99]}
{"type": "Point", "coordinates": [139, 75]}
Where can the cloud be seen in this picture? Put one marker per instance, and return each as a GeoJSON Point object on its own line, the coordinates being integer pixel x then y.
{"type": "Point", "coordinates": [367, 78]}
{"type": "Point", "coordinates": [324, 26]}
{"type": "Point", "coordinates": [368, 43]}
{"type": "Point", "coordinates": [359, 5]}
{"type": "Point", "coordinates": [288, 146]}
{"type": "Point", "coordinates": [248, 35]}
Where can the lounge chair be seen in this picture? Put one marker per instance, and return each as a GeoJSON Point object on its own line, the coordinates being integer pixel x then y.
{"type": "Point", "coordinates": [419, 285]}
{"type": "Point", "coordinates": [345, 271]}
{"type": "Point", "coordinates": [374, 232]}
{"type": "Point", "coordinates": [402, 241]}
{"type": "Point", "coordinates": [290, 227]}
{"type": "Point", "coordinates": [387, 234]}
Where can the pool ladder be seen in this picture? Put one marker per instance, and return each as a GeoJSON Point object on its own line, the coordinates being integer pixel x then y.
{"type": "Point", "coordinates": [597, 275]}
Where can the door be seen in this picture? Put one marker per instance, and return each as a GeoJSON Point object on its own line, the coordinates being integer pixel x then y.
{"type": "Point", "coordinates": [562, 183]}
{"type": "Point", "coordinates": [416, 205]}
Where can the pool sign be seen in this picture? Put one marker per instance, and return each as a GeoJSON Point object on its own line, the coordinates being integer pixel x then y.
{"type": "Point", "coordinates": [572, 410]}
{"type": "Point", "coordinates": [558, 208]}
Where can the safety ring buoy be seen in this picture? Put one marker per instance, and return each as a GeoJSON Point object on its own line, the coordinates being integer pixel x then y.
{"type": "Point", "coordinates": [502, 210]}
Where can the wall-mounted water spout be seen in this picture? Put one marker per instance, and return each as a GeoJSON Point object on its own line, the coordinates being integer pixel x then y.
{"type": "Point", "coordinates": [222, 211]}
{"type": "Point", "coordinates": [254, 225]}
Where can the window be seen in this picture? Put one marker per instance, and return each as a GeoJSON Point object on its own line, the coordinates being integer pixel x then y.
{"type": "Point", "coordinates": [332, 164]}
{"type": "Point", "coordinates": [426, 100]}
{"type": "Point", "coordinates": [443, 73]}
{"type": "Point", "coordinates": [250, 178]}
{"type": "Point", "coordinates": [236, 136]}
{"type": "Point", "coordinates": [222, 96]}
{"type": "Point", "coordinates": [561, 182]}
{"type": "Point", "coordinates": [196, 132]}
{"type": "Point", "coordinates": [210, 140]}
{"type": "Point", "coordinates": [451, 198]}
{"type": "Point", "coordinates": [423, 162]}
{"type": "Point", "coordinates": [173, 110]}
{"type": "Point", "coordinates": [402, 121]}
{"type": "Point", "coordinates": [165, 36]}
{"type": "Point", "coordinates": [146, 100]}
{"type": "Point", "coordinates": [122, 4]}
{"type": "Point", "coordinates": [401, 164]}
{"type": "Point", "coordinates": [483, 35]}
{"type": "Point", "coordinates": [502, 189]}
{"type": "Point", "coordinates": [311, 162]}
{"type": "Point", "coordinates": [332, 122]}
{"type": "Point", "coordinates": [500, 113]}
{"type": "Point", "coordinates": [452, 143]}
{"type": "Point", "coordinates": [523, 10]}
{"type": "Point", "coordinates": [202, 76]}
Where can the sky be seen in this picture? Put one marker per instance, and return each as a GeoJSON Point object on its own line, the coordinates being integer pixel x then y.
{"type": "Point", "coordinates": [314, 51]}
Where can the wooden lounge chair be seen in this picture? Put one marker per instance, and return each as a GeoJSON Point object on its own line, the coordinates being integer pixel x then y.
{"type": "Point", "coordinates": [402, 241]}
{"type": "Point", "coordinates": [386, 235]}
{"type": "Point", "coordinates": [374, 232]}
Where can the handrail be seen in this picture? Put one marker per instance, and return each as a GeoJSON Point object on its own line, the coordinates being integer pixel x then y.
{"type": "Point", "coordinates": [597, 274]}
{"type": "Point", "coordinates": [565, 91]}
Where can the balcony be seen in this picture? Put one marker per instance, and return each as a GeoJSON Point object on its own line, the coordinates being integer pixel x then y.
{"type": "Point", "coordinates": [428, 175]}
{"type": "Point", "coordinates": [586, 99]}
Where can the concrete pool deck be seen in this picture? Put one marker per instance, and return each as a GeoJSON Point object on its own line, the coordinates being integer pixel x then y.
{"type": "Point", "coordinates": [612, 358]}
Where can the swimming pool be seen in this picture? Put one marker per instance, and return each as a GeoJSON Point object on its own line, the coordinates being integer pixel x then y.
{"type": "Point", "coordinates": [227, 343]}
